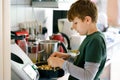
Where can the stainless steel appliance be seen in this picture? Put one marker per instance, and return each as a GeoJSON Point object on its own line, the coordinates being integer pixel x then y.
{"type": "Point", "coordinates": [50, 46]}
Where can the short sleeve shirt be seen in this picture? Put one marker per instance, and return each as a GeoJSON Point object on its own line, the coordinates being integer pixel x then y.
{"type": "Point", "coordinates": [92, 49]}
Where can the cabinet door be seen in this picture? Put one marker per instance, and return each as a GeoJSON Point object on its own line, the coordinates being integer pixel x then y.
{"type": "Point", "coordinates": [20, 2]}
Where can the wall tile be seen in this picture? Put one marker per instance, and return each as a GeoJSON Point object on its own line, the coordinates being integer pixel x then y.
{"type": "Point", "coordinates": [22, 13]}
{"type": "Point", "coordinates": [13, 15]}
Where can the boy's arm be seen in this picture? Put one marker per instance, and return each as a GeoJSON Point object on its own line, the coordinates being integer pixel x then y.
{"type": "Point", "coordinates": [87, 73]}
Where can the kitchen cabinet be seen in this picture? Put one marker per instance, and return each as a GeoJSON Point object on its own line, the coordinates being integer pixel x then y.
{"type": "Point", "coordinates": [115, 63]}
{"type": "Point", "coordinates": [45, 3]}
{"type": "Point", "coordinates": [20, 2]}
{"type": "Point", "coordinates": [56, 4]}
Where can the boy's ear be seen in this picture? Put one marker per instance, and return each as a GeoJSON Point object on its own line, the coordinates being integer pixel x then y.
{"type": "Point", "coordinates": [88, 19]}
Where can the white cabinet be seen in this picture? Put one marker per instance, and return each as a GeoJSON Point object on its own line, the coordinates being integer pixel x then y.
{"type": "Point", "coordinates": [20, 2]}
{"type": "Point", "coordinates": [115, 63]}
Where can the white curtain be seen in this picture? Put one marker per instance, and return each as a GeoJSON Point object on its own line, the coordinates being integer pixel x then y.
{"type": "Point", "coordinates": [5, 40]}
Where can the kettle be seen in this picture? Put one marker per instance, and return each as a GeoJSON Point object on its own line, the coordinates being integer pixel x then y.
{"type": "Point", "coordinates": [61, 37]}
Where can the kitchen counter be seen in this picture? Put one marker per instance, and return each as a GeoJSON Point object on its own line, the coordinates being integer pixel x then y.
{"type": "Point", "coordinates": [112, 41]}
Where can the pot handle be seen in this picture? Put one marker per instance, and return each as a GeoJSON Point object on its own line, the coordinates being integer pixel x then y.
{"type": "Point", "coordinates": [63, 46]}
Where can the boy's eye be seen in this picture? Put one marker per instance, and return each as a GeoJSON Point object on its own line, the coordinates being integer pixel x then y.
{"type": "Point", "coordinates": [75, 23]}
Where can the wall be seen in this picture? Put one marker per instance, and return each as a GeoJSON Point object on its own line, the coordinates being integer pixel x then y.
{"type": "Point", "coordinates": [23, 13]}
{"type": "Point", "coordinates": [5, 40]}
{"type": "Point", "coordinates": [1, 55]}
{"type": "Point", "coordinates": [102, 5]}
{"type": "Point", "coordinates": [113, 13]}
{"type": "Point", "coordinates": [112, 9]}
{"type": "Point", "coordinates": [119, 11]}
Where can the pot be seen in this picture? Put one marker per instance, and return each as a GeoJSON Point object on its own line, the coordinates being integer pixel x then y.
{"type": "Point", "coordinates": [50, 46]}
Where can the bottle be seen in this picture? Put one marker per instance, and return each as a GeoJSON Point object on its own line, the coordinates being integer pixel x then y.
{"type": "Point", "coordinates": [23, 45]}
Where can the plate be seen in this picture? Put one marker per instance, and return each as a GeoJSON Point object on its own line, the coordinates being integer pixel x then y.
{"type": "Point", "coordinates": [74, 53]}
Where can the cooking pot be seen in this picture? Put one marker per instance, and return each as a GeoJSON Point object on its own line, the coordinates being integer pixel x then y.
{"type": "Point", "coordinates": [50, 46]}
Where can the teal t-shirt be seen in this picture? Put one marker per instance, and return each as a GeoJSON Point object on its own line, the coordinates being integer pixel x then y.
{"type": "Point", "coordinates": [92, 49]}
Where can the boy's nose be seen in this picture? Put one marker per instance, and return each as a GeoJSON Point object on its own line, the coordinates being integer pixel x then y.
{"type": "Point", "coordinates": [72, 27]}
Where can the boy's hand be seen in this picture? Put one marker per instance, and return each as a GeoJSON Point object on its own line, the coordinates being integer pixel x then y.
{"type": "Point", "coordinates": [55, 62]}
{"type": "Point", "coordinates": [60, 55]}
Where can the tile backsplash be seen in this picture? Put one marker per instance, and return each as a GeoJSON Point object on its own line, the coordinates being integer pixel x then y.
{"type": "Point", "coordinates": [24, 13]}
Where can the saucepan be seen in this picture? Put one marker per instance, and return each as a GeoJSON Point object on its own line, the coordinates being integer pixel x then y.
{"type": "Point", "coordinates": [50, 46]}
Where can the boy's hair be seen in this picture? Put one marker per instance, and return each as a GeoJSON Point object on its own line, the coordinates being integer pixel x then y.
{"type": "Point", "coordinates": [81, 9]}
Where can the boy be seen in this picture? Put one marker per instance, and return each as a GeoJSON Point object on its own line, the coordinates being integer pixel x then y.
{"type": "Point", "coordinates": [90, 62]}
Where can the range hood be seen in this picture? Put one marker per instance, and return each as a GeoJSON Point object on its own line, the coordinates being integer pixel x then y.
{"type": "Point", "coordinates": [45, 3]}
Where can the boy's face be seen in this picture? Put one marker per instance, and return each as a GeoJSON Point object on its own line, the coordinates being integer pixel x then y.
{"type": "Point", "coordinates": [80, 26]}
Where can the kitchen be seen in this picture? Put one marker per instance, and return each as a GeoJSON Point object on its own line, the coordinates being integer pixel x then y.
{"type": "Point", "coordinates": [23, 15]}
